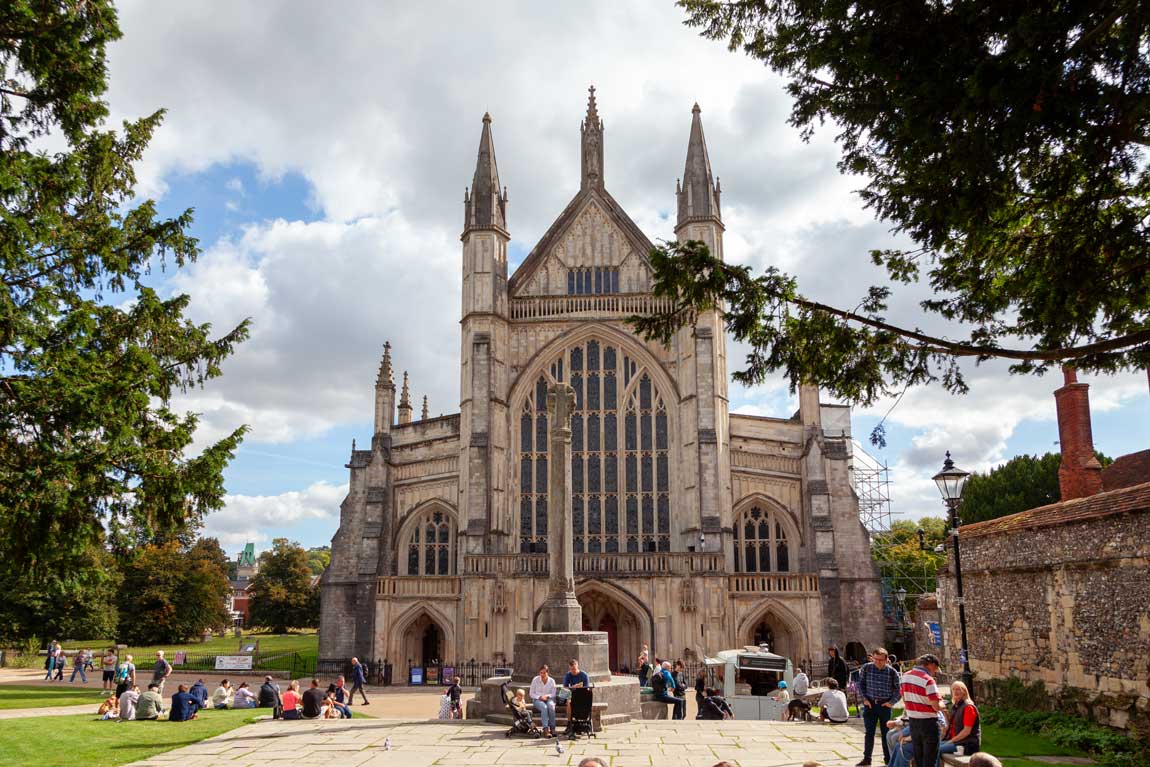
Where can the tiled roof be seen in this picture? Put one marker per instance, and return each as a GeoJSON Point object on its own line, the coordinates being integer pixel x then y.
{"type": "Point", "coordinates": [1104, 504]}
{"type": "Point", "coordinates": [1127, 470]}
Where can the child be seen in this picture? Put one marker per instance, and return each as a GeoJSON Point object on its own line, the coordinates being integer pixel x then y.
{"type": "Point", "coordinates": [109, 709]}
{"type": "Point", "coordinates": [520, 703]}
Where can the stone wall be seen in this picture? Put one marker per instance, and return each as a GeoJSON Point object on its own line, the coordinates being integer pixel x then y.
{"type": "Point", "coordinates": [1065, 603]}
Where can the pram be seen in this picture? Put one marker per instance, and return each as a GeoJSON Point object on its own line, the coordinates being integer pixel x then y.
{"type": "Point", "coordinates": [523, 723]}
{"type": "Point", "coordinates": [582, 700]}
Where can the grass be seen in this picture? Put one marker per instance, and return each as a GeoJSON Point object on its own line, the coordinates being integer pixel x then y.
{"type": "Point", "coordinates": [64, 741]}
{"type": "Point", "coordinates": [29, 696]}
{"type": "Point", "coordinates": [1003, 742]}
{"type": "Point", "coordinates": [304, 643]}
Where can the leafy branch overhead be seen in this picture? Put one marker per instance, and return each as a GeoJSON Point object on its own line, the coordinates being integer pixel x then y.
{"type": "Point", "coordinates": [1007, 141]}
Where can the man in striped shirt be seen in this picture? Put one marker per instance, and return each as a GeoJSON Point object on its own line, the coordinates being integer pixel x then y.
{"type": "Point", "coordinates": [921, 700]}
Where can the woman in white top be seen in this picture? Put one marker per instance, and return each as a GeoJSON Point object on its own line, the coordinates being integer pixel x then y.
{"type": "Point", "coordinates": [222, 697]}
{"type": "Point", "coordinates": [244, 697]}
{"type": "Point", "coordinates": [543, 696]}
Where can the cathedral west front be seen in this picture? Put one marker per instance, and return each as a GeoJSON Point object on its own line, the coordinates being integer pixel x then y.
{"type": "Point", "coordinates": [695, 529]}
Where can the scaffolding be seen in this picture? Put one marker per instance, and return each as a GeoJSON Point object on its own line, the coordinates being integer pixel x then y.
{"type": "Point", "coordinates": [871, 480]}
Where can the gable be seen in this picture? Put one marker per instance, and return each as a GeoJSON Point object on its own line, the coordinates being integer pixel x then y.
{"type": "Point", "coordinates": [592, 231]}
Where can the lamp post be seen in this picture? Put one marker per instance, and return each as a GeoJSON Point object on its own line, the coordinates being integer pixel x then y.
{"type": "Point", "coordinates": [951, 481]}
{"type": "Point", "coordinates": [900, 595]}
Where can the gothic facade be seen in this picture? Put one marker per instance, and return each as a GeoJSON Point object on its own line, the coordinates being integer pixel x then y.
{"type": "Point", "coordinates": [696, 529]}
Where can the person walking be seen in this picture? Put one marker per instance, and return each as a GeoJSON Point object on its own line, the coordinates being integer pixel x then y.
{"type": "Point", "coordinates": [542, 692]}
{"type": "Point", "coordinates": [878, 690]}
{"type": "Point", "coordinates": [358, 680]}
{"type": "Point", "coordinates": [61, 661]}
{"type": "Point", "coordinates": [161, 672]}
{"type": "Point", "coordinates": [922, 703]}
{"type": "Point", "coordinates": [108, 669]}
{"type": "Point", "coordinates": [837, 667]}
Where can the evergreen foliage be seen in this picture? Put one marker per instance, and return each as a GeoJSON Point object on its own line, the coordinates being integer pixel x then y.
{"type": "Point", "coordinates": [91, 453]}
{"type": "Point", "coordinates": [1006, 140]}
{"type": "Point", "coordinates": [1024, 482]}
{"type": "Point", "coordinates": [282, 594]}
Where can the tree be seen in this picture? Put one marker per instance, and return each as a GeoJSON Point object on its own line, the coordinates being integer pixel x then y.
{"type": "Point", "coordinates": [282, 594]}
{"type": "Point", "coordinates": [172, 593]}
{"type": "Point", "coordinates": [1006, 140]}
{"type": "Point", "coordinates": [318, 559]}
{"type": "Point", "coordinates": [90, 355]}
{"type": "Point", "coordinates": [904, 561]}
{"type": "Point", "coordinates": [76, 601]}
{"type": "Point", "coordinates": [1024, 482]}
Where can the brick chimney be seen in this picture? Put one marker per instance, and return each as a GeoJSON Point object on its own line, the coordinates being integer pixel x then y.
{"type": "Point", "coordinates": [1079, 474]}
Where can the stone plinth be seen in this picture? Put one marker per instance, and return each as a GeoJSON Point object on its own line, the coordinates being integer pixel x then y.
{"type": "Point", "coordinates": [535, 648]}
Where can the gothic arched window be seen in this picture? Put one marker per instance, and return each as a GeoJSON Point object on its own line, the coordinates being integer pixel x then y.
{"type": "Point", "coordinates": [761, 544]}
{"type": "Point", "coordinates": [620, 455]}
{"type": "Point", "coordinates": [431, 544]}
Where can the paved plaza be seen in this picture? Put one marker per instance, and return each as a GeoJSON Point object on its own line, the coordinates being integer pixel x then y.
{"type": "Point", "coordinates": [360, 743]}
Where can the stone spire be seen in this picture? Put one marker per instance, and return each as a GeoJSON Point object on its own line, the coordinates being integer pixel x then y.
{"type": "Point", "coordinates": [485, 205]}
{"type": "Point", "coordinates": [592, 147]}
{"type": "Point", "coordinates": [698, 196]}
{"type": "Point", "coordinates": [423, 414]}
{"type": "Point", "coordinates": [405, 402]}
{"type": "Point", "coordinates": [384, 379]}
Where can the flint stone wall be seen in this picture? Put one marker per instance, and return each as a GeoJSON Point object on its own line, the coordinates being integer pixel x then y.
{"type": "Point", "coordinates": [1065, 604]}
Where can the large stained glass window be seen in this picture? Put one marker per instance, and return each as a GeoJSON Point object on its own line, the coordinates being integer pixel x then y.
{"type": "Point", "coordinates": [431, 545]}
{"type": "Point", "coordinates": [620, 455]}
{"type": "Point", "coordinates": [761, 544]}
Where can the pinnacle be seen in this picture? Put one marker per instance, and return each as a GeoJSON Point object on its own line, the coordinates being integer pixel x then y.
{"type": "Point", "coordinates": [487, 117]}
{"type": "Point", "coordinates": [695, 109]}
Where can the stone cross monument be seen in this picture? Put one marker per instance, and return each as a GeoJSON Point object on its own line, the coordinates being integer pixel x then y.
{"type": "Point", "coordinates": [561, 612]}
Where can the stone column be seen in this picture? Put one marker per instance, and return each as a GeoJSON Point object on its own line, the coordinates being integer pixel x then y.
{"type": "Point", "coordinates": [561, 612]}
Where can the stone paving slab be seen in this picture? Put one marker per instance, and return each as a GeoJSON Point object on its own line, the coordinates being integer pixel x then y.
{"type": "Point", "coordinates": [359, 743]}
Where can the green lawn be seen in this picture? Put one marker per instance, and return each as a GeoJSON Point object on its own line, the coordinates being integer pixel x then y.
{"type": "Point", "coordinates": [1013, 743]}
{"type": "Point", "coordinates": [65, 741]}
{"type": "Point", "coordinates": [306, 642]}
{"type": "Point", "coordinates": [29, 696]}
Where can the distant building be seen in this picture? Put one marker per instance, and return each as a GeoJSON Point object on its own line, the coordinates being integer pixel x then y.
{"type": "Point", "coordinates": [247, 565]}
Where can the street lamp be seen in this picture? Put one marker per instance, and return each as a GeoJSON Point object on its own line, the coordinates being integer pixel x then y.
{"type": "Point", "coordinates": [951, 481]}
{"type": "Point", "coordinates": [900, 595]}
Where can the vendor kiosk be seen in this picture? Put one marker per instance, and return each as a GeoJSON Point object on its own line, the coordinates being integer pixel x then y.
{"type": "Point", "coordinates": [748, 678]}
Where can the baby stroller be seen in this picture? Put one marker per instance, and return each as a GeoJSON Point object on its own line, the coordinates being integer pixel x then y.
{"type": "Point", "coordinates": [523, 723]}
{"type": "Point", "coordinates": [582, 699]}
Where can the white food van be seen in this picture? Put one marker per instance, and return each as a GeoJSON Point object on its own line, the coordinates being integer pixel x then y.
{"type": "Point", "coordinates": [747, 677]}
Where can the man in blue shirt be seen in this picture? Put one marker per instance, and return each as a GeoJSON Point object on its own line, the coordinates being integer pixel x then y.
{"type": "Point", "coordinates": [664, 690]}
{"type": "Point", "coordinates": [574, 679]}
{"type": "Point", "coordinates": [184, 706]}
{"type": "Point", "coordinates": [879, 691]}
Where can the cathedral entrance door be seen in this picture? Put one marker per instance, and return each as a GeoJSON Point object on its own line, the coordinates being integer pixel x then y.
{"type": "Point", "coordinates": [430, 648]}
{"type": "Point", "coordinates": [607, 624]}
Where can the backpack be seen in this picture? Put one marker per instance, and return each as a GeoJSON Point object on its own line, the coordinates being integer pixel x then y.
{"type": "Point", "coordinates": [122, 673]}
{"type": "Point", "coordinates": [658, 683]}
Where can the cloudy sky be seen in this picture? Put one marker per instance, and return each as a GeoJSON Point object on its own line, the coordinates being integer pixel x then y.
{"type": "Point", "coordinates": [326, 147]}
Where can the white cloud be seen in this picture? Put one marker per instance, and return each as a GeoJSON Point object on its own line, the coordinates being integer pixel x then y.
{"type": "Point", "coordinates": [249, 517]}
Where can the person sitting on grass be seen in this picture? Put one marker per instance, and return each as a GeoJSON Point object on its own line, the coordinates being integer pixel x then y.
{"type": "Point", "coordinates": [291, 700]}
{"type": "Point", "coordinates": [199, 691]}
{"type": "Point", "coordinates": [314, 701]}
{"type": "Point", "coordinates": [150, 705]}
{"type": "Point", "coordinates": [222, 697]}
{"type": "Point", "coordinates": [185, 706]}
{"type": "Point", "coordinates": [244, 697]}
{"type": "Point", "coordinates": [341, 710]}
{"type": "Point", "coordinates": [109, 709]}
{"type": "Point", "coordinates": [833, 703]}
{"type": "Point", "coordinates": [128, 699]}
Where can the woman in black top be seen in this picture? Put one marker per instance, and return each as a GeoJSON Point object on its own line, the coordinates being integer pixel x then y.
{"type": "Point", "coordinates": [700, 688]}
{"type": "Point", "coordinates": [837, 668]}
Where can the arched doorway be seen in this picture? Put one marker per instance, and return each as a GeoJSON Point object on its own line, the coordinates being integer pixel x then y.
{"type": "Point", "coordinates": [609, 611]}
{"type": "Point", "coordinates": [423, 643]}
{"type": "Point", "coordinates": [776, 627]}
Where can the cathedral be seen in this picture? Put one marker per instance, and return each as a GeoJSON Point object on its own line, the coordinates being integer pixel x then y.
{"type": "Point", "coordinates": [695, 529]}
